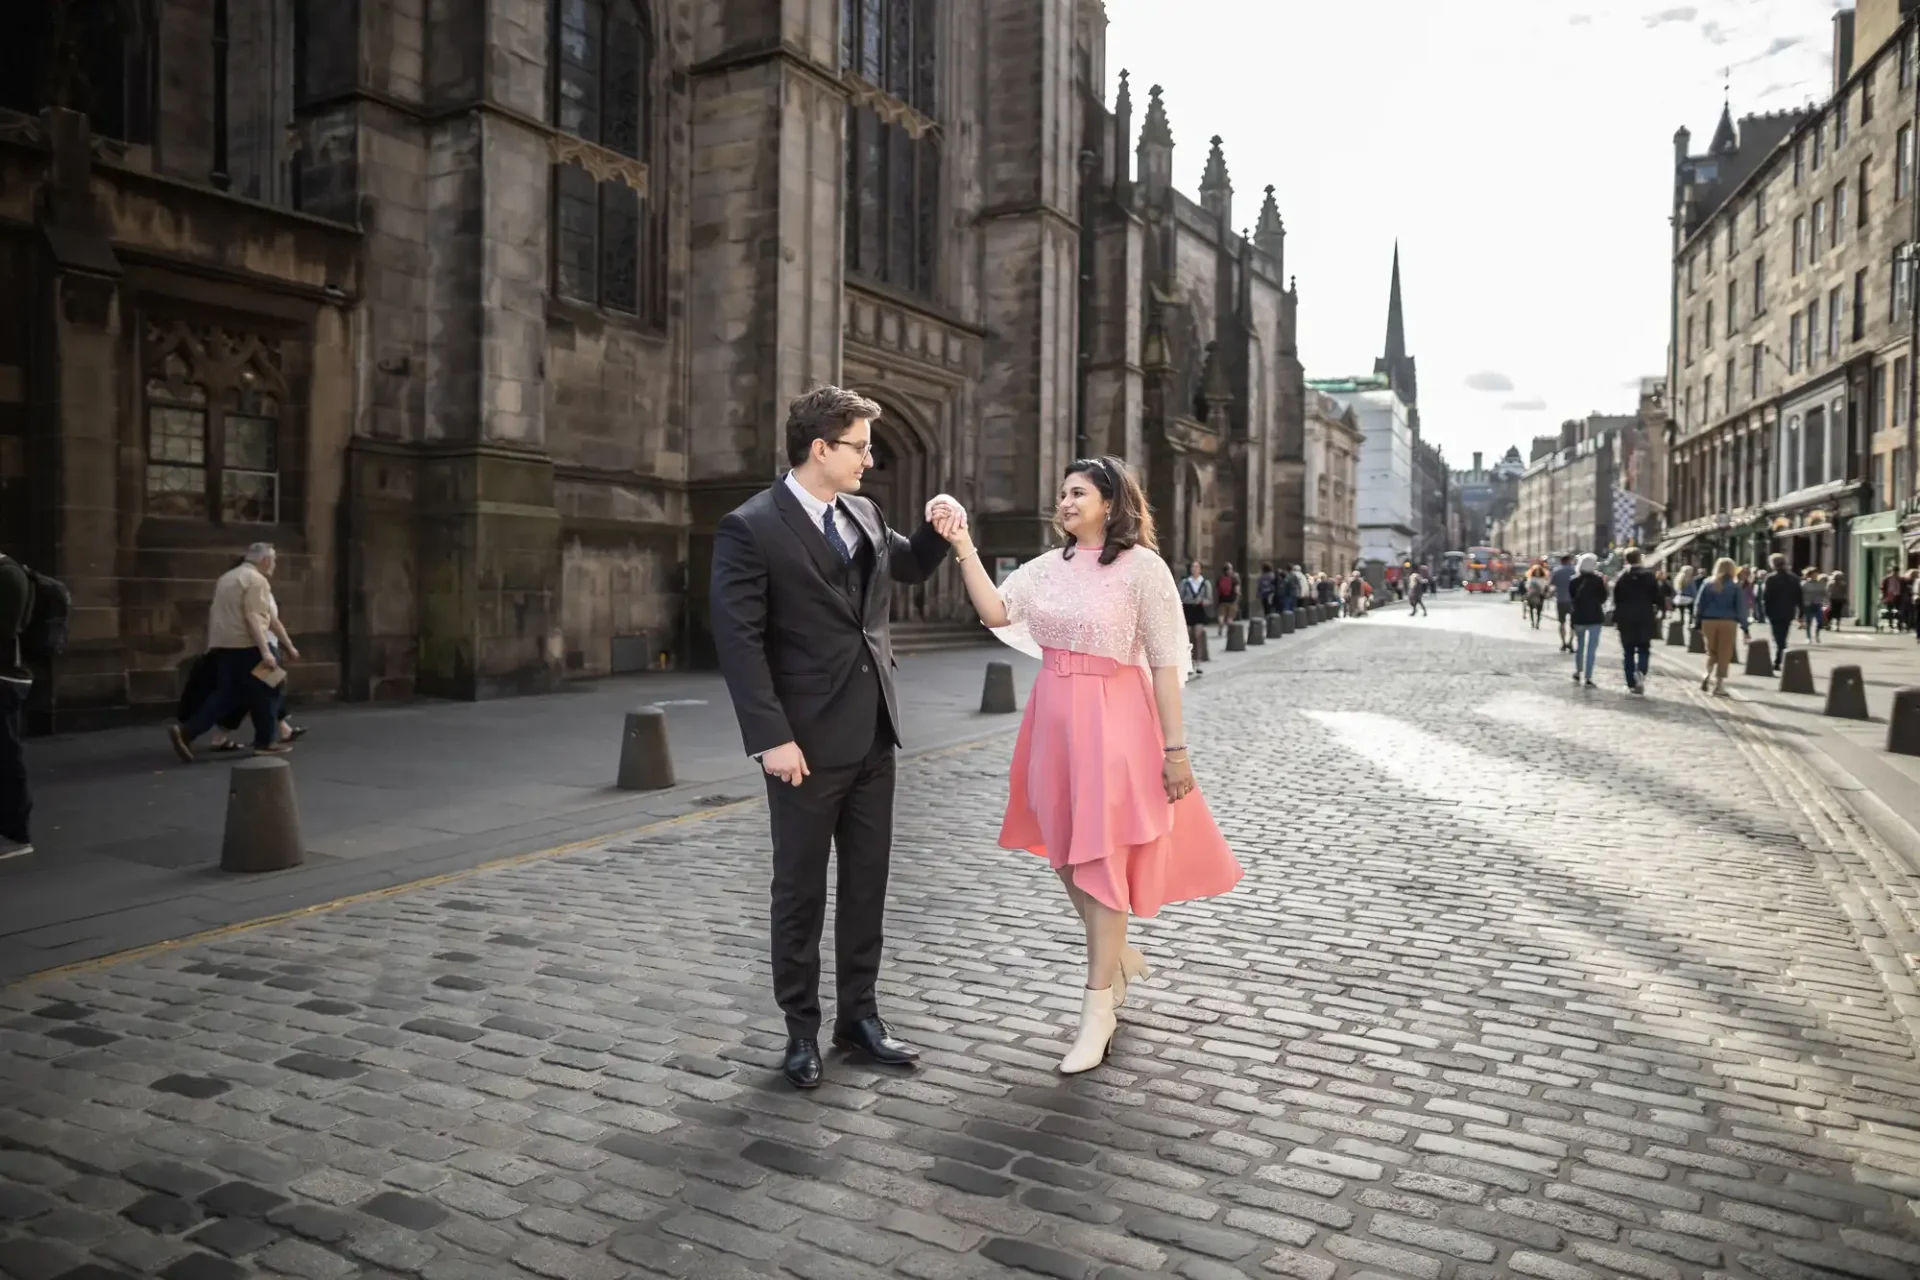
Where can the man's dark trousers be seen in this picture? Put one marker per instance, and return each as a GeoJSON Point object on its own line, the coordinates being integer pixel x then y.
{"type": "Point", "coordinates": [236, 688]}
{"type": "Point", "coordinates": [15, 803]}
{"type": "Point", "coordinates": [1782, 628]}
{"type": "Point", "coordinates": [1638, 653]}
{"type": "Point", "coordinates": [848, 808]}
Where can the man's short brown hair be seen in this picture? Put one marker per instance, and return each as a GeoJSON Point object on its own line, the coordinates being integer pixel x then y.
{"type": "Point", "coordinates": [1632, 556]}
{"type": "Point", "coordinates": [823, 413]}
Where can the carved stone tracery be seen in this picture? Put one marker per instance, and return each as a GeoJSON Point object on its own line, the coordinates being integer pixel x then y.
{"type": "Point", "coordinates": [599, 162]}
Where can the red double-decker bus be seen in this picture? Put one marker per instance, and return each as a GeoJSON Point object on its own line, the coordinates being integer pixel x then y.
{"type": "Point", "coordinates": [1489, 569]}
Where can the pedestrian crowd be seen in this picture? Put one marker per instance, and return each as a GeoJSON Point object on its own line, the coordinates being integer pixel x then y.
{"type": "Point", "coordinates": [1718, 604]}
{"type": "Point", "coordinates": [1219, 599]}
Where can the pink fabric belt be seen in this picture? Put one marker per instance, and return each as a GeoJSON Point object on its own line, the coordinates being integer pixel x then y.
{"type": "Point", "coordinates": [1064, 662]}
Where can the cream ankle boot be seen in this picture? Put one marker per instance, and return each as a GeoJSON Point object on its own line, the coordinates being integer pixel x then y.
{"type": "Point", "coordinates": [1132, 968]}
{"type": "Point", "coordinates": [1097, 1025]}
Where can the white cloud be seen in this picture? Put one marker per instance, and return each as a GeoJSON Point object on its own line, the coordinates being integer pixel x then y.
{"type": "Point", "coordinates": [1532, 404]}
{"type": "Point", "coordinates": [1665, 16]}
{"type": "Point", "coordinates": [1489, 380]}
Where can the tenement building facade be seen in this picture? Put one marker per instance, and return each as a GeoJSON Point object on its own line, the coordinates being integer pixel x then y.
{"type": "Point", "coordinates": [485, 311]}
{"type": "Point", "coordinates": [1329, 527]}
{"type": "Point", "coordinates": [1791, 313]}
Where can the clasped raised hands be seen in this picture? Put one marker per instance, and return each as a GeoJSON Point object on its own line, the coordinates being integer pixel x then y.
{"type": "Point", "coordinates": [947, 516]}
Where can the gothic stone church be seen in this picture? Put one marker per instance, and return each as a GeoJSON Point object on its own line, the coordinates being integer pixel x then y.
{"type": "Point", "coordinates": [484, 311]}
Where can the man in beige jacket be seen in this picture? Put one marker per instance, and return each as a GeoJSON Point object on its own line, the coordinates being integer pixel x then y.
{"type": "Point", "coordinates": [238, 628]}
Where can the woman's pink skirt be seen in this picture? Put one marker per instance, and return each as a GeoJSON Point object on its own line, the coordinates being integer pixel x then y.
{"type": "Point", "coordinates": [1086, 791]}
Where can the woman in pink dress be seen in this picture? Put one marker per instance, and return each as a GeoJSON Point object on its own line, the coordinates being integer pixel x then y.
{"type": "Point", "coordinates": [1102, 787]}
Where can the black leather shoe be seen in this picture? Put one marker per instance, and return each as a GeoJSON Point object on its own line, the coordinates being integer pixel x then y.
{"type": "Point", "coordinates": [801, 1066]}
{"type": "Point", "coordinates": [871, 1037]}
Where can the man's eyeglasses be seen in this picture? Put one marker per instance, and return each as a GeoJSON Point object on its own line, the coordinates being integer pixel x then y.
{"type": "Point", "coordinates": [864, 446]}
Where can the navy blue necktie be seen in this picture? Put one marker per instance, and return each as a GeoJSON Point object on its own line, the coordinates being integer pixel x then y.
{"type": "Point", "coordinates": [831, 527]}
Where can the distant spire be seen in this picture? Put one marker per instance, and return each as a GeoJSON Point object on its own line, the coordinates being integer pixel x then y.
{"type": "Point", "coordinates": [1123, 99]}
{"type": "Point", "coordinates": [1396, 320]}
{"type": "Point", "coordinates": [1725, 140]}
{"type": "Point", "coordinates": [1395, 363]}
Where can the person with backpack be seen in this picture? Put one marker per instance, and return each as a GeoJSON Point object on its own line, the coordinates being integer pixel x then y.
{"type": "Point", "coordinates": [33, 628]}
{"type": "Point", "coordinates": [1226, 598]}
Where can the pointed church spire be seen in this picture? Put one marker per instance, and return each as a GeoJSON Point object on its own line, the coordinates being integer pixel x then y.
{"type": "Point", "coordinates": [1123, 99]}
{"type": "Point", "coordinates": [1396, 320]}
{"type": "Point", "coordinates": [1725, 140]}
{"type": "Point", "coordinates": [1395, 363]}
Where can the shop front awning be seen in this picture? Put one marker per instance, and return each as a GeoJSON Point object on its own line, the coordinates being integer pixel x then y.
{"type": "Point", "coordinates": [1667, 548]}
{"type": "Point", "coordinates": [1805, 528]}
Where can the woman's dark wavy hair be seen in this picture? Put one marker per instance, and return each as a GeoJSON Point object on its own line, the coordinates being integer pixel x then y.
{"type": "Point", "coordinates": [1129, 519]}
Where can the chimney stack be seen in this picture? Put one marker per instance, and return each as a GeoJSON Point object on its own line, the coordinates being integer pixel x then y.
{"type": "Point", "coordinates": [1842, 48]}
{"type": "Point", "coordinates": [1476, 462]}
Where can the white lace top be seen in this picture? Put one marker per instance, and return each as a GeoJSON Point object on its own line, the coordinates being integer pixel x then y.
{"type": "Point", "coordinates": [1128, 611]}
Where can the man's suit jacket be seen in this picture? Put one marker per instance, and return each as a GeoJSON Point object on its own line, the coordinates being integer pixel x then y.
{"type": "Point", "coordinates": [805, 660]}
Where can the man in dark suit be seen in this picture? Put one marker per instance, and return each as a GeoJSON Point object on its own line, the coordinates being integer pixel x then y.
{"type": "Point", "coordinates": [803, 578]}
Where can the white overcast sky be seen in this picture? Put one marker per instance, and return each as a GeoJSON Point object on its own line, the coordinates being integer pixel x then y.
{"type": "Point", "coordinates": [1519, 150]}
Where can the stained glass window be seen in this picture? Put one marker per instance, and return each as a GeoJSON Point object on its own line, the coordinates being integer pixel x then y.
{"type": "Point", "coordinates": [893, 190]}
{"type": "Point", "coordinates": [607, 240]}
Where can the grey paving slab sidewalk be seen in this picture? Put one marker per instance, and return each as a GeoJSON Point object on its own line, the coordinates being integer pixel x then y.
{"type": "Point", "coordinates": [128, 838]}
{"type": "Point", "coordinates": [1851, 755]}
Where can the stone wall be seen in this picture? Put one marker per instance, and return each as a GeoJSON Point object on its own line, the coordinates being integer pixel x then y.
{"type": "Point", "coordinates": [223, 278]}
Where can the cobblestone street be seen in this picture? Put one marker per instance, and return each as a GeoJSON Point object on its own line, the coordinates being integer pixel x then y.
{"type": "Point", "coordinates": [1525, 979]}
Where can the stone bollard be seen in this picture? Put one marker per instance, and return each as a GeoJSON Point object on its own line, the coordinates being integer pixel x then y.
{"type": "Point", "coordinates": [1256, 631]}
{"type": "Point", "coordinates": [1759, 658]}
{"type": "Point", "coordinates": [1903, 725]}
{"type": "Point", "coordinates": [996, 697]}
{"type": "Point", "coordinates": [1310, 614]}
{"type": "Point", "coordinates": [1847, 694]}
{"type": "Point", "coordinates": [1205, 652]}
{"type": "Point", "coordinates": [1236, 637]}
{"type": "Point", "coordinates": [1276, 625]}
{"type": "Point", "coordinates": [1696, 641]}
{"type": "Point", "coordinates": [1676, 633]}
{"type": "Point", "coordinates": [263, 818]}
{"type": "Point", "coordinates": [1796, 673]}
{"type": "Point", "coordinates": [646, 761]}
{"type": "Point", "coordinates": [1289, 622]}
